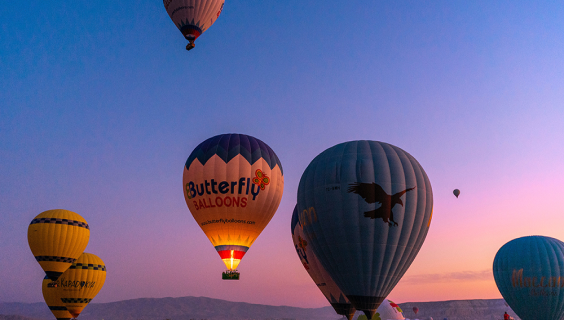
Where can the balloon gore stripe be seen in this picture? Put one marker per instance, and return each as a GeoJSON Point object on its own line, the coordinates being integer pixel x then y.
{"type": "Point", "coordinates": [88, 266]}
{"type": "Point", "coordinates": [231, 247]}
{"type": "Point", "coordinates": [54, 258]}
{"type": "Point", "coordinates": [61, 221]}
{"type": "Point", "coordinates": [58, 308]}
{"type": "Point", "coordinates": [76, 300]}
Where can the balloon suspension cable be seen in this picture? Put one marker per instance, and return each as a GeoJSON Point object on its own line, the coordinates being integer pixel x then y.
{"type": "Point", "coordinates": [190, 45]}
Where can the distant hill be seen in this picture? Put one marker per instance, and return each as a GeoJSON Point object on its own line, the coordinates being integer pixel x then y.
{"type": "Point", "coordinates": [12, 317]}
{"type": "Point", "coordinates": [188, 308]}
{"type": "Point", "coordinates": [492, 309]}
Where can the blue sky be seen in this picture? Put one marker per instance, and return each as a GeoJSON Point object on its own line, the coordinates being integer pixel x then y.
{"type": "Point", "coordinates": [100, 106]}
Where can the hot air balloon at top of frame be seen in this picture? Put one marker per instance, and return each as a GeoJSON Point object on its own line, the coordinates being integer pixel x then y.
{"type": "Point", "coordinates": [529, 273]}
{"type": "Point", "coordinates": [233, 184]}
{"type": "Point", "coordinates": [193, 17]}
{"type": "Point", "coordinates": [57, 238]}
{"type": "Point", "coordinates": [365, 208]}
{"type": "Point", "coordinates": [328, 287]}
{"type": "Point", "coordinates": [456, 192]}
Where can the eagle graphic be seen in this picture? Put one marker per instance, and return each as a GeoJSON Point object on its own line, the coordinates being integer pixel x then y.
{"type": "Point", "coordinates": [372, 193]}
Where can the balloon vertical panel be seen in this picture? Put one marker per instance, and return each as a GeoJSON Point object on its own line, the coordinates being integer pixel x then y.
{"type": "Point", "coordinates": [366, 206]}
{"type": "Point", "coordinates": [529, 273]}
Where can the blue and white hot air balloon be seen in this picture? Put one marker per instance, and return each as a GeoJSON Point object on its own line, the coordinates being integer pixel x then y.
{"type": "Point", "coordinates": [365, 208]}
{"type": "Point", "coordinates": [529, 273]}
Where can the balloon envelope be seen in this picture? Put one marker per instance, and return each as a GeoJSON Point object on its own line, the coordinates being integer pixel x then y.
{"type": "Point", "coordinates": [193, 17]}
{"type": "Point", "coordinates": [415, 310]}
{"type": "Point", "coordinates": [456, 192]}
{"type": "Point", "coordinates": [318, 274]}
{"type": "Point", "coordinates": [57, 238]}
{"type": "Point", "coordinates": [388, 310]}
{"type": "Point", "coordinates": [529, 273]}
{"type": "Point", "coordinates": [81, 282]}
{"type": "Point", "coordinates": [233, 184]}
{"type": "Point", "coordinates": [365, 208]}
{"type": "Point", "coordinates": [52, 296]}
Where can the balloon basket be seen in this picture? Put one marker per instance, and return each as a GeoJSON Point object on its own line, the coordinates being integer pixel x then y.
{"type": "Point", "coordinates": [230, 275]}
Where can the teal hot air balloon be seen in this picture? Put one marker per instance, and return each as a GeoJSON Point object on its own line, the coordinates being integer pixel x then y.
{"type": "Point", "coordinates": [365, 208]}
{"type": "Point", "coordinates": [529, 273]}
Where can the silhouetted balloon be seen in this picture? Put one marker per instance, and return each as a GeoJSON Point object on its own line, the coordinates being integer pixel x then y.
{"type": "Point", "coordinates": [193, 17]}
{"type": "Point", "coordinates": [318, 274]}
{"type": "Point", "coordinates": [52, 296]}
{"type": "Point", "coordinates": [233, 184]}
{"type": "Point", "coordinates": [81, 282]}
{"type": "Point", "coordinates": [57, 238]}
{"type": "Point", "coordinates": [365, 208]}
{"type": "Point", "coordinates": [529, 273]}
{"type": "Point", "coordinates": [415, 310]}
{"type": "Point", "coordinates": [456, 192]}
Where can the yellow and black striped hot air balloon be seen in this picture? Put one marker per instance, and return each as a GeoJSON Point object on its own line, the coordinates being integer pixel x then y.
{"type": "Point", "coordinates": [57, 238]}
{"type": "Point", "coordinates": [81, 282]}
{"type": "Point", "coordinates": [52, 296]}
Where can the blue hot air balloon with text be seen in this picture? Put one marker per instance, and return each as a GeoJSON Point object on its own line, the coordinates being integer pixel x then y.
{"type": "Point", "coordinates": [529, 273]}
{"type": "Point", "coordinates": [365, 208]}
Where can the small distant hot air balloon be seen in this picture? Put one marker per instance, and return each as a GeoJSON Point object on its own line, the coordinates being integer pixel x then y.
{"type": "Point", "coordinates": [415, 310]}
{"type": "Point", "coordinates": [365, 208]}
{"type": "Point", "coordinates": [233, 184]}
{"type": "Point", "coordinates": [318, 274]}
{"type": "Point", "coordinates": [57, 238]}
{"type": "Point", "coordinates": [193, 17]}
{"type": "Point", "coordinates": [456, 192]}
{"type": "Point", "coordinates": [81, 282]}
{"type": "Point", "coordinates": [529, 272]}
{"type": "Point", "coordinates": [52, 296]}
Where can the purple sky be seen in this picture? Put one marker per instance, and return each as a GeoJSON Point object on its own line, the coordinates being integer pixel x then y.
{"type": "Point", "coordinates": [100, 106]}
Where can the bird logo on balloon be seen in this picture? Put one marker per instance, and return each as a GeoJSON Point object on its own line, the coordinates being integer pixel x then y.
{"type": "Point", "coordinates": [373, 193]}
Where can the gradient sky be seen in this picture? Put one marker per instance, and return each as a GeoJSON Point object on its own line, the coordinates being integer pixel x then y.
{"type": "Point", "coordinates": [100, 105]}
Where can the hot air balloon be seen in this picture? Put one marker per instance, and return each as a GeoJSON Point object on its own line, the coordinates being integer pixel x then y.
{"type": "Point", "coordinates": [193, 17]}
{"type": "Point", "coordinates": [529, 273]}
{"type": "Point", "coordinates": [233, 184]}
{"type": "Point", "coordinates": [57, 238]}
{"type": "Point", "coordinates": [456, 192]}
{"type": "Point", "coordinates": [415, 310]}
{"type": "Point", "coordinates": [52, 297]}
{"type": "Point", "coordinates": [365, 208]}
{"type": "Point", "coordinates": [81, 282]}
{"type": "Point", "coordinates": [321, 278]}
{"type": "Point", "coordinates": [386, 311]}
